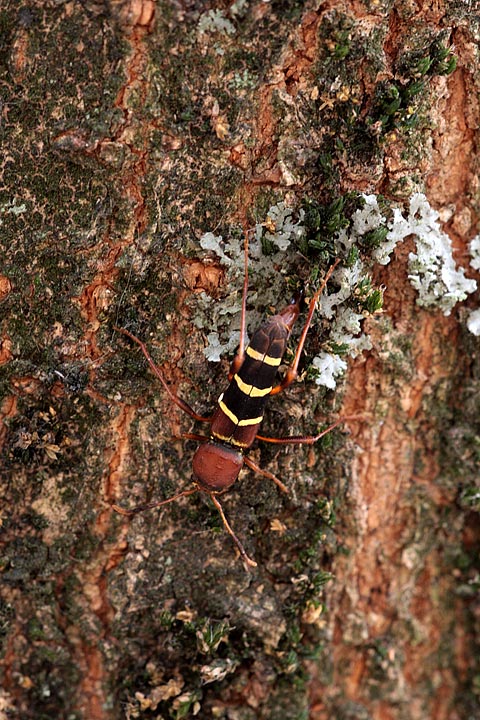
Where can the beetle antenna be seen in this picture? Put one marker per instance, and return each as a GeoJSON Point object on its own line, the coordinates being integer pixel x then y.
{"type": "Point", "coordinates": [247, 560]}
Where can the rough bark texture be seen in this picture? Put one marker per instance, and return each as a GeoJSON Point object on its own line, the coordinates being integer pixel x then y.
{"type": "Point", "coordinates": [130, 128]}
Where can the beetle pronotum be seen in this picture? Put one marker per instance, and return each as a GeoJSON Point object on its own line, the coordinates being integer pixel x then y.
{"type": "Point", "coordinates": [235, 423]}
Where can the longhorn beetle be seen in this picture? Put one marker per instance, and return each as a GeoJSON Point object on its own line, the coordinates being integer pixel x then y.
{"type": "Point", "coordinates": [235, 423]}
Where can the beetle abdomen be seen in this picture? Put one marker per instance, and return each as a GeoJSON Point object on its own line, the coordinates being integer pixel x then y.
{"type": "Point", "coordinates": [240, 408]}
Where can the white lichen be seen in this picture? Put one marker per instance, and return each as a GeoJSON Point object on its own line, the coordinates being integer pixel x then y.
{"type": "Point", "coordinates": [266, 283]}
{"type": "Point", "coordinates": [367, 218]}
{"type": "Point", "coordinates": [432, 272]}
{"type": "Point", "coordinates": [432, 269]}
{"type": "Point", "coordinates": [473, 322]}
{"type": "Point", "coordinates": [346, 330]}
{"type": "Point", "coordinates": [209, 241]}
{"type": "Point", "coordinates": [215, 21]}
{"type": "Point", "coordinates": [475, 252]}
{"type": "Point", "coordinates": [280, 228]}
{"type": "Point", "coordinates": [216, 349]}
{"type": "Point", "coordinates": [370, 218]}
{"type": "Point", "coordinates": [11, 208]}
{"type": "Point", "coordinates": [328, 366]}
{"type": "Point", "coordinates": [398, 230]}
{"type": "Point", "coordinates": [347, 278]}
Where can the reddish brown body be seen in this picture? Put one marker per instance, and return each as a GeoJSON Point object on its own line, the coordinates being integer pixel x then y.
{"type": "Point", "coordinates": [236, 421]}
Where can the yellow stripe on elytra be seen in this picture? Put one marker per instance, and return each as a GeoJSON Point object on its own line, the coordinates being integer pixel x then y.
{"type": "Point", "coordinates": [233, 417]}
{"type": "Point", "coordinates": [251, 390]}
{"type": "Point", "coordinates": [267, 359]}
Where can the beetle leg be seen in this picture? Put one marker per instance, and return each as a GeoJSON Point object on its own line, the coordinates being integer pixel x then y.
{"type": "Point", "coordinates": [193, 436]}
{"type": "Point", "coordinates": [301, 439]}
{"type": "Point", "coordinates": [308, 439]}
{"type": "Point", "coordinates": [253, 466]}
{"type": "Point", "coordinates": [248, 561]}
{"type": "Point", "coordinates": [173, 396]}
{"type": "Point", "coordinates": [151, 506]}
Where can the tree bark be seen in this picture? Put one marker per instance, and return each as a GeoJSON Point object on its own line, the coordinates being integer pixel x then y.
{"type": "Point", "coordinates": [130, 129]}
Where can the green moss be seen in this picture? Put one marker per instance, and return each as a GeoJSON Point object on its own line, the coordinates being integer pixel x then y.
{"type": "Point", "coordinates": [355, 128]}
{"type": "Point", "coordinates": [323, 222]}
{"type": "Point", "coordinates": [368, 298]}
{"type": "Point", "coordinates": [396, 103]}
{"type": "Point", "coordinates": [470, 495]}
{"type": "Point", "coordinates": [35, 630]}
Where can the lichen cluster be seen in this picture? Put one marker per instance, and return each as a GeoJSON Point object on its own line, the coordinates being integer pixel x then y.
{"type": "Point", "coordinates": [366, 237]}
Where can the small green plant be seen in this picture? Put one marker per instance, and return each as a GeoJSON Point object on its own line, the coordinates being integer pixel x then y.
{"type": "Point", "coordinates": [210, 635]}
{"type": "Point", "coordinates": [443, 60]}
{"type": "Point", "coordinates": [323, 223]}
{"type": "Point", "coordinates": [370, 299]}
{"type": "Point", "coordinates": [394, 103]}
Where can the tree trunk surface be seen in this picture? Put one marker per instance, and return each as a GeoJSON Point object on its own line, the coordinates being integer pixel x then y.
{"type": "Point", "coordinates": [131, 129]}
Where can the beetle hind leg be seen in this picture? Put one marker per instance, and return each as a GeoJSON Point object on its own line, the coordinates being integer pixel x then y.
{"type": "Point", "coordinates": [260, 471]}
{"type": "Point", "coordinates": [153, 505]}
{"type": "Point", "coordinates": [247, 560]}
